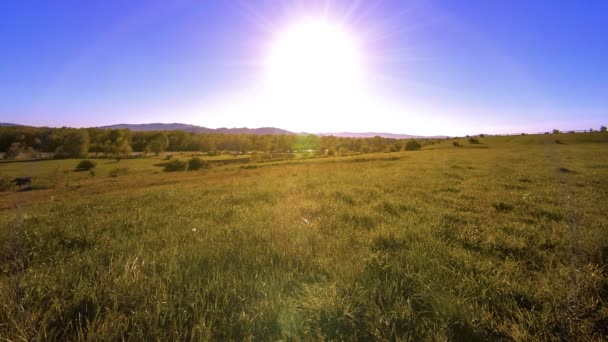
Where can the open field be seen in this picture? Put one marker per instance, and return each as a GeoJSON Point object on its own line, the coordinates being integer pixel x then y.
{"type": "Point", "coordinates": [503, 240]}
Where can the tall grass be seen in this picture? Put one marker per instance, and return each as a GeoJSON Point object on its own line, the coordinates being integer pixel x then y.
{"type": "Point", "coordinates": [461, 244]}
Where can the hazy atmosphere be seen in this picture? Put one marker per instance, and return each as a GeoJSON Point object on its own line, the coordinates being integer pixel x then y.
{"type": "Point", "coordinates": [415, 67]}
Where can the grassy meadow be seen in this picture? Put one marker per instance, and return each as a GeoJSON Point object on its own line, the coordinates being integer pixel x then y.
{"type": "Point", "coordinates": [502, 240]}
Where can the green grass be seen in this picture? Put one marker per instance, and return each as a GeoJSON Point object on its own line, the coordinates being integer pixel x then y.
{"type": "Point", "coordinates": [506, 242]}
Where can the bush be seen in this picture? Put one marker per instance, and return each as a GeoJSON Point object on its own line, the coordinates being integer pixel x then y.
{"type": "Point", "coordinates": [474, 140]}
{"type": "Point", "coordinates": [412, 145]}
{"type": "Point", "coordinates": [119, 171]}
{"type": "Point", "coordinates": [196, 164]}
{"type": "Point", "coordinates": [85, 165]}
{"type": "Point", "coordinates": [176, 165]}
{"type": "Point", "coordinates": [456, 144]}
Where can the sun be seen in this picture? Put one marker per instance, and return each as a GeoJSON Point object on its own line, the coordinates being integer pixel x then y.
{"type": "Point", "coordinates": [314, 63]}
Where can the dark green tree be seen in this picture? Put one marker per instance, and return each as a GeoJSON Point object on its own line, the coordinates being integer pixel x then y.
{"type": "Point", "coordinates": [75, 144]}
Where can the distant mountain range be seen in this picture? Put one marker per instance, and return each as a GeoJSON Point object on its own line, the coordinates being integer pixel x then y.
{"type": "Point", "coordinates": [197, 129]}
{"type": "Point", "coordinates": [243, 130]}
{"type": "Point", "coordinates": [6, 124]}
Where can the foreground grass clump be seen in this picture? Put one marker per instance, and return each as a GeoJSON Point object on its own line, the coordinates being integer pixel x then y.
{"type": "Point", "coordinates": [442, 244]}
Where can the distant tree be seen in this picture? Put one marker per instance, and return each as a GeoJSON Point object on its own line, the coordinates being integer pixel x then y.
{"type": "Point", "coordinates": [158, 143]}
{"type": "Point", "coordinates": [13, 151]}
{"type": "Point", "coordinates": [75, 144]}
{"type": "Point", "coordinates": [365, 149]}
{"type": "Point", "coordinates": [556, 131]}
{"type": "Point", "coordinates": [412, 145]}
{"type": "Point", "coordinates": [603, 129]}
{"type": "Point", "coordinates": [342, 151]}
{"type": "Point", "coordinates": [121, 149]}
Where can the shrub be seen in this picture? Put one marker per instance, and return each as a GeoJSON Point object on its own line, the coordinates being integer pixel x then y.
{"type": "Point", "coordinates": [119, 171]}
{"type": "Point", "coordinates": [176, 165]}
{"type": "Point", "coordinates": [85, 165]}
{"type": "Point", "coordinates": [474, 140]}
{"type": "Point", "coordinates": [168, 157]}
{"type": "Point", "coordinates": [559, 142]}
{"type": "Point", "coordinates": [196, 164]}
{"type": "Point", "coordinates": [456, 144]}
{"type": "Point", "coordinates": [412, 145]}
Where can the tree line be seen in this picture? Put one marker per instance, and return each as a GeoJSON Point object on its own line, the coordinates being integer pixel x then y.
{"type": "Point", "coordinates": [119, 143]}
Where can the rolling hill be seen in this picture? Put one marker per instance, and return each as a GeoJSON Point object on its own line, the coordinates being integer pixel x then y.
{"type": "Point", "coordinates": [241, 130]}
{"type": "Point", "coordinates": [197, 129]}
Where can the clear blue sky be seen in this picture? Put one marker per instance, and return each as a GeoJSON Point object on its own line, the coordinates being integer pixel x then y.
{"type": "Point", "coordinates": [431, 67]}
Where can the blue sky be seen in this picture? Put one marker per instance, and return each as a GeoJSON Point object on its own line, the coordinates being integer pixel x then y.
{"type": "Point", "coordinates": [430, 67]}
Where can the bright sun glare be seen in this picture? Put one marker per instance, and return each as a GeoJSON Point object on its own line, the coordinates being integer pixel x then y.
{"type": "Point", "coordinates": [314, 65]}
{"type": "Point", "coordinates": [314, 55]}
